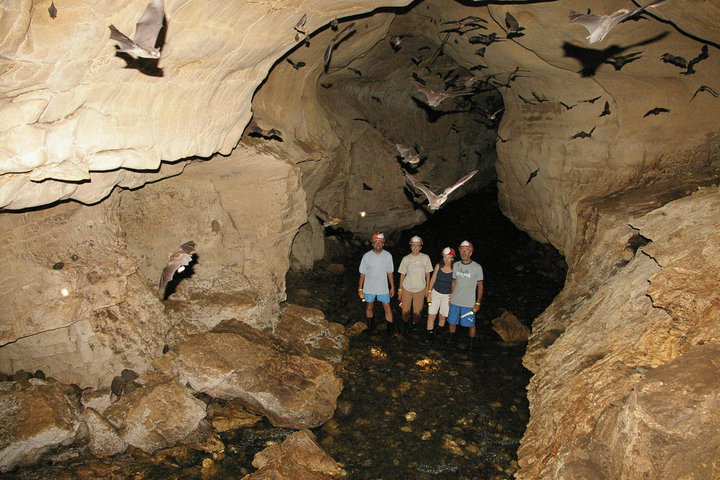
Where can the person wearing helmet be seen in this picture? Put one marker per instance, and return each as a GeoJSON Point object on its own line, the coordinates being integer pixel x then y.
{"type": "Point", "coordinates": [376, 272]}
{"type": "Point", "coordinates": [439, 291]}
{"type": "Point", "coordinates": [466, 293]}
{"type": "Point", "coordinates": [414, 272]}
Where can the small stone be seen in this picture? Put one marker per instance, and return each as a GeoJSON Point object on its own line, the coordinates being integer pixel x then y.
{"type": "Point", "coordinates": [494, 404]}
{"type": "Point", "coordinates": [406, 429]}
{"type": "Point", "coordinates": [410, 416]}
{"type": "Point", "coordinates": [58, 266]}
{"type": "Point", "coordinates": [425, 435]}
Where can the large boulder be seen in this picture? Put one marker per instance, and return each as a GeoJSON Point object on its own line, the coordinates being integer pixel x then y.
{"type": "Point", "coordinates": [35, 416]}
{"type": "Point", "coordinates": [264, 373]}
{"type": "Point", "coordinates": [158, 415]}
{"type": "Point", "coordinates": [298, 456]}
{"type": "Point", "coordinates": [306, 329]}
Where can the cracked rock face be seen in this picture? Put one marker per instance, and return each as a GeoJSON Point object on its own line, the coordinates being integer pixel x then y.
{"type": "Point", "coordinates": [75, 123]}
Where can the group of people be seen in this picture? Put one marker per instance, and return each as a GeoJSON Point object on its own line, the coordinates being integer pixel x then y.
{"type": "Point", "coordinates": [453, 290]}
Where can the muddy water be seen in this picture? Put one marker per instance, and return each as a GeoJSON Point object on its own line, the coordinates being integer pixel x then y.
{"type": "Point", "coordinates": [419, 408]}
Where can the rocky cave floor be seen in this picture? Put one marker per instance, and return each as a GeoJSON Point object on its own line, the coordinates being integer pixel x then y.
{"type": "Point", "coordinates": [413, 408]}
{"type": "Point", "coordinates": [410, 408]}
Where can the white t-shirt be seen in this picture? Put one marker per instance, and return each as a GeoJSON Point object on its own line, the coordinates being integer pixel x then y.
{"type": "Point", "coordinates": [415, 267]}
{"type": "Point", "coordinates": [376, 266]}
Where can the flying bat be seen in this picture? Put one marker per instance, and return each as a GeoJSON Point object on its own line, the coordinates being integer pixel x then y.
{"type": "Point", "coordinates": [395, 42]}
{"type": "Point", "coordinates": [704, 88]}
{"type": "Point", "coordinates": [299, 26]}
{"type": "Point", "coordinates": [532, 175]}
{"type": "Point", "coordinates": [146, 32]}
{"type": "Point", "coordinates": [337, 38]}
{"type": "Point", "coordinates": [591, 100]}
{"type": "Point", "coordinates": [656, 111]}
{"type": "Point", "coordinates": [619, 61]}
{"type": "Point", "coordinates": [256, 131]}
{"type": "Point", "coordinates": [606, 110]}
{"type": "Point", "coordinates": [52, 10]}
{"type": "Point", "coordinates": [295, 65]}
{"type": "Point", "coordinates": [327, 219]}
{"type": "Point", "coordinates": [702, 56]}
{"type": "Point", "coordinates": [407, 154]}
{"type": "Point", "coordinates": [583, 134]}
{"type": "Point", "coordinates": [177, 263]}
{"type": "Point", "coordinates": [484, 39]}
{"type": "Point", "coordinates": [568, 107]}
{"type": "Point", "coordinates": [435, 201]}
{"type": "Point", "coordinates": [674, 60]}
{"type": "Point", "coordinates": [433, 98]}
{"type": "Point", "coordinates": [600, 25]}
{"type": "Point", "coordinates": [513, 27]}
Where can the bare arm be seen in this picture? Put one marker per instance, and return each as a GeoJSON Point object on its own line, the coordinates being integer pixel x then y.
{"type": "Point", "coordinates": [427, 284]}
{"type": "Point", "coordinates": [391, 279]}
{"type": "Point", "coordinates": [360, 285]}
{"type": "Point", "coordinates": [402, 278]}
{"type": "Point", "coordinates": [476, 307]}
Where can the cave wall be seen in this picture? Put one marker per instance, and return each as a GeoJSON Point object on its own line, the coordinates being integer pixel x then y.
{"type": "Point", "coordinates": [619, 357]}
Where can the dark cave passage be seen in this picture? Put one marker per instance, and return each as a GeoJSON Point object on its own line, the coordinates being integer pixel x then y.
{"type": "Point", "coordinates": [414, 408]}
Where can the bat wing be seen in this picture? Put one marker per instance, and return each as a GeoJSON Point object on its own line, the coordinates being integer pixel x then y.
{"type": "Point", "coordinates": [301, 23]}
{"type": "Point", "coordinates": [588, 20]}
{"type": "Point", "coordinates": [424, 90]}
{"type": "Point", "coordinates": [323, 214]}
{"type": "Point", "coordinates": [404, 151]}
{"type": "Point", "coordinates": [188, 247]}
{"type": "Point", "coordinates": [147, 29]}
{"type": "Point", "coordinates": [425, 190]}
{"type": "Point", "coordinates": [176, 261]}
{"type": "Point", "coordinates": [459, 183]}
{"type": "Point", "coordinates": [125, 42]}
{"type": "Point", "coordinates": [511, 22]}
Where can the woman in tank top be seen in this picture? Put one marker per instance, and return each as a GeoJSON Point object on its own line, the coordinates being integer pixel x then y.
{"type": "Point", "coordinates": [439, 291]}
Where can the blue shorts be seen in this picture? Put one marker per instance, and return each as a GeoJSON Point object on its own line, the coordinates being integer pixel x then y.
{"type": "Point", "coordinates": [383, 297]}
{"type": "Point", "coordinates": [462, 315]}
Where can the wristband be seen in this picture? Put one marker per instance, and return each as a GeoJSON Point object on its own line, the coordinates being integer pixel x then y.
{"type": "Point", "coordinates": [360, 289]}
{"type": "Point", "coordinates": [477, 303]}
{"type": "Point", "coordinates": [399, 290]}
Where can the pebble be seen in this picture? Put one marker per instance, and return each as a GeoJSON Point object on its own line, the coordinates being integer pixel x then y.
{"type": "Point", "coordinates": [426, 435]}
{"type": "Point", "coordinates": [410, 416]}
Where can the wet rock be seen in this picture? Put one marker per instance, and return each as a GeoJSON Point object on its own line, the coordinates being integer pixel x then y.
{"type": "Point", "coordinates": [307, 329]}
{"type": "Point", "coordinates": [34, 419]}
{"type": "Point", "coordinates": [156, 416]}
{"type": "Point", "coordinates": [230, 417]}
{"type": "Point", "coordinates": [510, 328]}
{"type": "Point", "coordinates": [265, 374]}
{"type": "Point", "coordinates": [205, 438]}
{"type": "Point", "coordinates": [104, 439]}
{"type": "Point", "coordinates": [299, 456]}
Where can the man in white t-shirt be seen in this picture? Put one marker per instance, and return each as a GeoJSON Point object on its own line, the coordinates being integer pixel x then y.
{"type": "Point", "coordinates": [414, 270]}
{"type": "Point", "coordinates": [376, 272]}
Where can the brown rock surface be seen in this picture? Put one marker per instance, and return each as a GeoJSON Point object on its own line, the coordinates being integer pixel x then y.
{"type": "Point", "coordinates": [34, 419]}
{"type": "Point", "coordinates": [298, 456]}
{"type": "Point", "coordinates": [307, 330]}
{"type": "Point", "coordinates": [510, 328]}
{"type": "Point", "coordinates": [237, 361]}
{"type": "Point", "coordinates": [156, 416]}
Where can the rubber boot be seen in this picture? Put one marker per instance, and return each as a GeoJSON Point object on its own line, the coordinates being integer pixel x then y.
{"type": "Point", "coordinates": [473, 344]}
{"type": "Point", "coordinates": [406, 329]}
{"type": "Point", "coordinates": [370, 325]}
{"type": "Point", "coordinates": [452, 339]}
{"type": "Point", "coordinates": [430, 336]}
{"type": "Point", "coordinates": [389, 328]}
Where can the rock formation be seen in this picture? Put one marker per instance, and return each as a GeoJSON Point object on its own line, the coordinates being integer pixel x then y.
{"type": "Point", "coordinates": [620, 200]}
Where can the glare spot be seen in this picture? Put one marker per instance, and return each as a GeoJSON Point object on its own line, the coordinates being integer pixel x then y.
{"type": "Point", "coordinates": [64, 292]}
{"type": "Point", "coordinates": [362, 214]}
{"type": "Point", "coordinates": [376, 352]}
{"type": "Point", "coordinates": [428, 364]}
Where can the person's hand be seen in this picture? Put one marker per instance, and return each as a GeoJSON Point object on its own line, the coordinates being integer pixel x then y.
{"type": "Point", "coordinates": [399, 295]}
{"type": "Point", "coordinates": [476, 307]}
{"type": "Point", "coordinates": [392, 292]}
{"type": "Point", "coordinates": [428, 297]}
{"type": "Point", "coordinates": [361, 294]}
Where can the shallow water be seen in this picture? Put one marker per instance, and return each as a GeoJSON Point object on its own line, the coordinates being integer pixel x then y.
{"type": "Point", "coordinates": [418, 409]}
